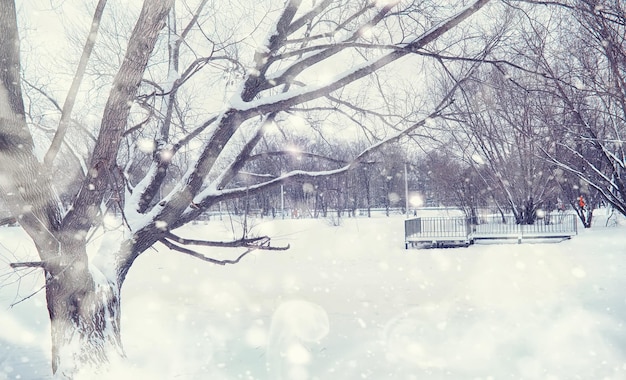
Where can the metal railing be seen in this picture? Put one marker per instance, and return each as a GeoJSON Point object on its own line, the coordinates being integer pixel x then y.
{"type": "Point", "coordinates": [454, 229]}
{"type": "Point", "coordinates": [429, 228]}
{"type": "Point", "coordinates": [553, 225]}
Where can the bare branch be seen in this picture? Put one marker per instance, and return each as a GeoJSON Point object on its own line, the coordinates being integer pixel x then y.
{"type": "Point", "coordinates": [28, 264]}
{"type": "Point", "coordinates": [261, 243]}
{"type": "Point", "coordinates": [44, 93]}
{"type": "Point", "coordinates": [28, 296]}
{"type": "Point", "coordinates": [297, 24]}
{"type": "Point", "coordinates": [7, 221]}
{"type": "Point", "coordinates": [194, 20]}
{"type": "Point", "coordinates": [141, 43]}
{"type": "Point", "coordinates": [70, 99]}
{"type": "Point", "coordinates": [246, 242]}
{"type": "Point", "coordinates": [201, 256]}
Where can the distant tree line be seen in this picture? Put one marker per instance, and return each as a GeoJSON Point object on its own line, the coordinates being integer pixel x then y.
{"type": "Point", "coordinates": [379, 183]}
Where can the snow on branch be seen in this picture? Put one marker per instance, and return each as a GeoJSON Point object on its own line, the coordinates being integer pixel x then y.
{"type": "Point", "coordinates": [247, 104]}
{"type": "Point", "coordinates": [8, 221]}
{"type": "Point", "coordinates": [607, 192]}
{"type": "Point", "coordinates": [291, 98]}
{"type": "Point", "coordinates": [210, 194]}
{"type": "Point", "coordinates": [280, 153]}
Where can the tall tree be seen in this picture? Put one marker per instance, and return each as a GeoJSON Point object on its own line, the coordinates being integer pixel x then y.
{"type": "Point", "coordinates": [583, 60]}
{"type": "Point", "coordinates": [507, 131]}
{"type": "Point", "coordinates": [310, 55]}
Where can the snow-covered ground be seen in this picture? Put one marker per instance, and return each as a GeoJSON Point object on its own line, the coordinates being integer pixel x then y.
{"type": "Point", "coordinates": [349, 302]}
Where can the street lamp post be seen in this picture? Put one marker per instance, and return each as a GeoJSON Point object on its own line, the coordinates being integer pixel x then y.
{"type": "Point", "coordinates": [406, 189]}
{"type": "Point", "coordinates": [282, 202]}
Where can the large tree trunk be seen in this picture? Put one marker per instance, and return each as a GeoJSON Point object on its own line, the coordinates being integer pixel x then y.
{"type": "Point", "coordinates": [85, 322]}
{"type": "Point", "coordinates": [83, 304]}
{"type": "Point", "coordinates": [84, 309]}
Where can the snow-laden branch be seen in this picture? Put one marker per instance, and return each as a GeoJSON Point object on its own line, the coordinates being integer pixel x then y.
{"type": "Point", "coordinates": [175, 208]}
{"type": "Point", "coordinates": [311, 92]}
{"type": "Point", "coordinates": [281, 153]}
{"type": "Point", "coordinates": [117, 109]}
{"type": "Point", "coordinates": [309, 50]}
{"type": "Point", "coordinates": [601, 174]}
{"type": "Point", "coordinates": [604, 191]}
{"type": "Point", "coordinates": [211, 193]}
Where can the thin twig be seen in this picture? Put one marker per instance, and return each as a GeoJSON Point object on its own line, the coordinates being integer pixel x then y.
{"type": "Point", "coordinates": [28, 296]}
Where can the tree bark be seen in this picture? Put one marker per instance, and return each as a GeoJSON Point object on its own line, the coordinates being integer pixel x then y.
{"type": "Point", "coordinates": [115, 116]}
{"type": "Point", "coordinates": [83, 304]}
{"type": "Point", "coordinates": [84, 309]}
{"type": "Point", "coordinates": [23, 186]}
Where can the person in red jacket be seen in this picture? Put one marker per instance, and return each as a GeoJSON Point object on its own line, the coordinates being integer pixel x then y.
{"type": "Point", "coordinates": [581, 202]}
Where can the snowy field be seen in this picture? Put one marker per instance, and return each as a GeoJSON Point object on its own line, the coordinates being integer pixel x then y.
{"type": "Point", "coordinates": [349, 302]}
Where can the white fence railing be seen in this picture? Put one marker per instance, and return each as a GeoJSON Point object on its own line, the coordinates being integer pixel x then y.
{"type": "Point", "coordinates": [461, 230]}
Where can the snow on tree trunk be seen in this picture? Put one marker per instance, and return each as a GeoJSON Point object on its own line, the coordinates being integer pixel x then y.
{"type": "Point", "coordinates": [84, 309]}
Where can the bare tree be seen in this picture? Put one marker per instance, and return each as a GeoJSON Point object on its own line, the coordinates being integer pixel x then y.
{"type": "Point", "coordinates": [584, 64]}
{"type": "Point", "coordinates": [505, 126]}
{"type": "Point", "coordinates": [453, 182]}
{"type": "Point", "coordinates": [145, 133]}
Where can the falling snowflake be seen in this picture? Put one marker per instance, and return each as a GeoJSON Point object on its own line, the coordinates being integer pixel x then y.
{"type": "Point", "coordinates": [146, 145]}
